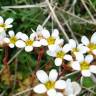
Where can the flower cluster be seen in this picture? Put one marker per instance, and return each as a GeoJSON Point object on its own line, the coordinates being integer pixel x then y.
{"type": "Point", "coordinates": [51, 86]}
{"type": "Point", "coordinates": [78, 56]}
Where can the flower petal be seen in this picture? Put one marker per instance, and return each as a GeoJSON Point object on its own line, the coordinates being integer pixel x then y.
{"type": "Point", "coordinates": [76, 88]}
{"type": "Point", "coordinates": [72, 43]}
{"type": "Point", "coordinates": [6, 40]}
{"type": "Point", "coordinates": [75, 65]}
{"type": "Point", "coordinates": [43, 42]}
{"type": "Point", "coordinates": [11, 33]}
{"type": "Point", "coordinates": [85, 40]}
{"type": "Point", "coordinates": [59, 41]}
{"type": "Point", "coordinates": [33, 35]}
{"type": "Point", "coordinates": [53, 75]}
{"type": "Point", "coordinates": [89, 58]}
{"type": "Point", "coordinates": [11, 45]}
{"type": "Point", "coordinates": [51, 92]}
{"type": "Point", "coordinates": [19, 34]}
{"type": "Point", "coordinates": [93, 68]}
{"type": "Point", "coordinates": [66, 48]}
{"type": "Point", "coordinates": [8, 21]}
{"type": "Point", "coordinates": [40, 89]}
{"type": "Point", "coordinates": [20, 44]}
{"type": "Point", "coordinates": [51, 53]}
{"type": "Point", "coordinates": [28, 48]}
{"type": "Point", "coordinates": [59, 94]}
{"type": "Point", "coordinates": [39, 28]}
{"type": "Point", "coordinates": [86, 73]}
{"type": "Point", "coordinates": [60, 84]}
{"type": "Point", "coordinates": [45, 33]}
{"type": "Point", "coordinates": [79, 57]}
{"type": "Point", "coordinates": [8, 26]}
{"type": "Point", "coordinates": [24, 37]}
{"type": "Point", "coordinates": [36, 44]}
{"type": "Point", "coordinates": [93, 38]}
{"type": "Point", "coordinates": [42, 76]}
{"type": "Point", "coordinates": [68, 57]}
{"type": "Point", "coordinates": [55, 33]}
{"type": "Point", "coordinates": [58, 61]}
{"type": "Point", "coordinates": [94, 52]}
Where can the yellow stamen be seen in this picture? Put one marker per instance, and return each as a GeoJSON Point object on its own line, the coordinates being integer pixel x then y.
{"type": "Point", "coordinates": [51, 40]}
{"type": "Point", "coordinates": [2, 25]}
{"type": "Point", "coordinates": [13, 39]}
{"type": "Point", "coordinates": [60, 54]}
{"type": "Point", "coordinates": [92, 46]}
{"type": "Point", "coordinates": [50, 84]}
{"type": "Point", "coordinates": [29, 42]}
{"type": "Point", "coordinates": [84, 65]}
{"type": "Point", "coordinates": [75, 50]}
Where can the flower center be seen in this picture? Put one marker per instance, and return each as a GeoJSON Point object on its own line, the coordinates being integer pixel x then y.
{"type": "Point", "coordinates": [29, 42]}
{"type": "Point", "coordinates": [60, 54]}
{"type": "Point", "coordinates": [92, 46]}
{"type": "Point", "coordinates": [84, 65]}
{"type": "Point", "coordinates": [51, 40]}
{"type": "Point", "coordinates": [2, 25]}
{"type": "Point", "coordinates": [75, 50]}
{"type": "Point", "coordinates": [40, 36]}
{"type": "Point", "coordinates": [13, 39]}
{"type": "Point", "coordinates": [50, 84]}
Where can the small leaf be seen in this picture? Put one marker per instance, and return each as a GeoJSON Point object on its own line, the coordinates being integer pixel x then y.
{"type": "Point", "coordinates": [87, 82]}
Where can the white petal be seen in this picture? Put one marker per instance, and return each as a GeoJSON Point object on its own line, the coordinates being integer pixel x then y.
{"type": "Point", "coordinates": [89, 58]}
{"type": "Point", "coordinates": [59, 41]}
{"type": "Point", "coordinates": [72, 43]}
{"type": "Point", "coordinates": [85, 40]}
{"type": "Point", "coordinates": [94, 52]}
{"type": "Point", "coordinates": [58, 61]}
{"type": "Point", "coordinates": [79, 57]}
{"type": "Point", "coordinates": [1, 20]}
{"type": "Point", "coordinates": [39, 28]}
{"type": "Point", "coordinates": [76, 88]}
{"type": "Point", "coordinates": [24, 37]}
{"type": "Point", "coordinates": [8, 21]}
{"type": "Point", "coordinates": [6, 40]}
{"type": "Point", "coordinates": [59, 94]}
{"type": "Point", "coordinates": [93, 38]}
{"type": "Point", "coordinates": [83, 49]}
{"type": "Point", "coordinates": [75, 65]}
{"type": "Point", "coordinates": [53, 75]}
{"type": "Point", "coordinates": [32, 36]}
{"type": "Point", "coordinates": [45, 33]}
{"type": "Point", "coordinates": [68, 57]}
{"type": "Point", "coordinates": [66, 48]}
{"type": "Point", "coordinates": [8, 26]}
{"type": "Point", "coordinates": [60, 84]}
{"type": "Point", "coordinates": [11, 45]}
{"type": "Point", "coordinates": [93, 68]}
{"type": "Point", "coordinates": [55, 33]}
{"type": "Point", "coordinates": [51, 53]}
{"type": "Point", "coordinates": [28, 48]}
{"type": "Point", "coordinates": [43, 42]}
{"type": "Point", "coordinates": [40, 89]}
{"type": "Point", "coordinates": [36, 44]}
{"type": "Point", "coordinates": [51, 92]}
{"type": "Point", "coordinates": [42, 76]}
{"type": "Point", "coordinates": [11, 33]}
{"type": "Point", "coordinates": [2, 30]}
{"type": "Point", "coordinates": [19, 35]}
{"type": "Point", "coordinates": [20, 44]}
{"type": "Point", "coordinates": [53, 47]}
{"type": "Point", "coordinates": [86, 73]}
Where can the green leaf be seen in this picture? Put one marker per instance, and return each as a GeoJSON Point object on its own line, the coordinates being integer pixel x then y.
{"type": "Point", "coordinates": [87, 82]}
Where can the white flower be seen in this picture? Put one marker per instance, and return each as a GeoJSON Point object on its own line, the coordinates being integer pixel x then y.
{"type": "Point", "coordinates": [27, 42]}
{"type": "Point", "coordinates": [5, 25]}
{"type": "Point", "coordinates": [72, 88]}
{"type": "Point", "coordinates": [91, 45]}
{"type": "Point", "coordinates": [2, 36]}
{"type": "Point", "coordinates": [77, 48]}
{"type": "Point", "coordinates": [83, 64]}
{"type": "Point", "coordinates": [60, 54]}
{"type": "Point", "coordinates": [51, 40]}
{"type": "Point", "coordinates": [48, 83]}
{"type": "Point", "coordinates": [12, 39]}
